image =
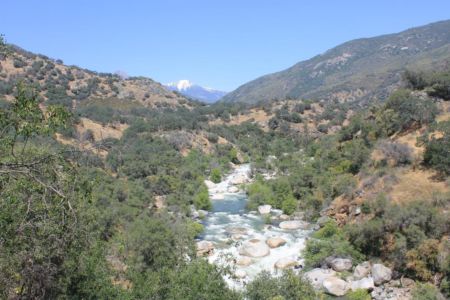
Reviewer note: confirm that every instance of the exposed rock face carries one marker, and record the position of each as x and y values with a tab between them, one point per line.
254	248
297	224
335	286
264	209
204	248
275	242
341	264
244	261
362	270
285	263
381	274
317	276
364	283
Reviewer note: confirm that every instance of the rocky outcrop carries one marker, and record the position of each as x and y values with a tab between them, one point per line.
285	263
254	248
275	242
381	274
264	209
335	286
291	225
204	248
341	264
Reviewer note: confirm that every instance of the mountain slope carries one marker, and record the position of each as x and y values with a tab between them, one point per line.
362	69
187	88
71	85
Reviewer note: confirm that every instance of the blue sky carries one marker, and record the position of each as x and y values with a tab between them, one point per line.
220	44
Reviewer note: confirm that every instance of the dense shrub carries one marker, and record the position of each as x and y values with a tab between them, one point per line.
437	148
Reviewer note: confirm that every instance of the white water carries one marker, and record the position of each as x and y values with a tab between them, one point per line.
229	212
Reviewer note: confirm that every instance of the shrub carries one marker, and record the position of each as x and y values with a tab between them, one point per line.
288	286
201	200
215	176
425	291
289	205
437	153
394	153
358	295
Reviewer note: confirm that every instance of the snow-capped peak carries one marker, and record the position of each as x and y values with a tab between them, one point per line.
181	85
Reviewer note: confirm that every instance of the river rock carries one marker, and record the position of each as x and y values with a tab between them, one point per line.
285	263
264	209
318	275
335	286
244	261
362	270
233	189
364	283
275	242
204	248
341	264
239	179
240	274
296	224
254	248
381	274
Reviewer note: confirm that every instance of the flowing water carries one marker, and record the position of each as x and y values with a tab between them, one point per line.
229	224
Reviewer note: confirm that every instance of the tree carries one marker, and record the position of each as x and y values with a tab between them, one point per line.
216	177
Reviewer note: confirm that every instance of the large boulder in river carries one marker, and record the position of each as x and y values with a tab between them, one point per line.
317	276
341	264
363	284
209	184
381	274
335	286
362	270
296	224
244	261
233	189
275	242
254	248
285	263
204	248
264	209
240	274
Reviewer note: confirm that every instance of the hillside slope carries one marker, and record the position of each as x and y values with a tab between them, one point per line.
71	85
362	69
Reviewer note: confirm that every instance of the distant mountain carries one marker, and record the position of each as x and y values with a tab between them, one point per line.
360	70
195	91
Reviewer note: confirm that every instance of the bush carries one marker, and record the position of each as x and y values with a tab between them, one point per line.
437	148
425	291
215	176
201	200
288	286
394	153
358	295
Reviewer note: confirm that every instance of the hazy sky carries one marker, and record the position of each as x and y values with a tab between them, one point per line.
220	44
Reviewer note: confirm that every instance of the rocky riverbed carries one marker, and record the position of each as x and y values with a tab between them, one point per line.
240	239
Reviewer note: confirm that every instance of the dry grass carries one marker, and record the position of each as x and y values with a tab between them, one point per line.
416	185
101	132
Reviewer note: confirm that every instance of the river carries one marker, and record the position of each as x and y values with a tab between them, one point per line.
229	225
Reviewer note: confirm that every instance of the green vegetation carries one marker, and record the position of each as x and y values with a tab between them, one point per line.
288	286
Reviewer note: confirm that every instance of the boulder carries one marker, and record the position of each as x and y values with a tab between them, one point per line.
284	217
254	248
244	261
296	224
381	274
364	283
335	286
240	274
209	184
264	209
233	189
362	270
204	248
237	236
275	242
341	264
285	263
318	275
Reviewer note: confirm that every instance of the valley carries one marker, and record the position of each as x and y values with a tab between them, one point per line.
329	180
